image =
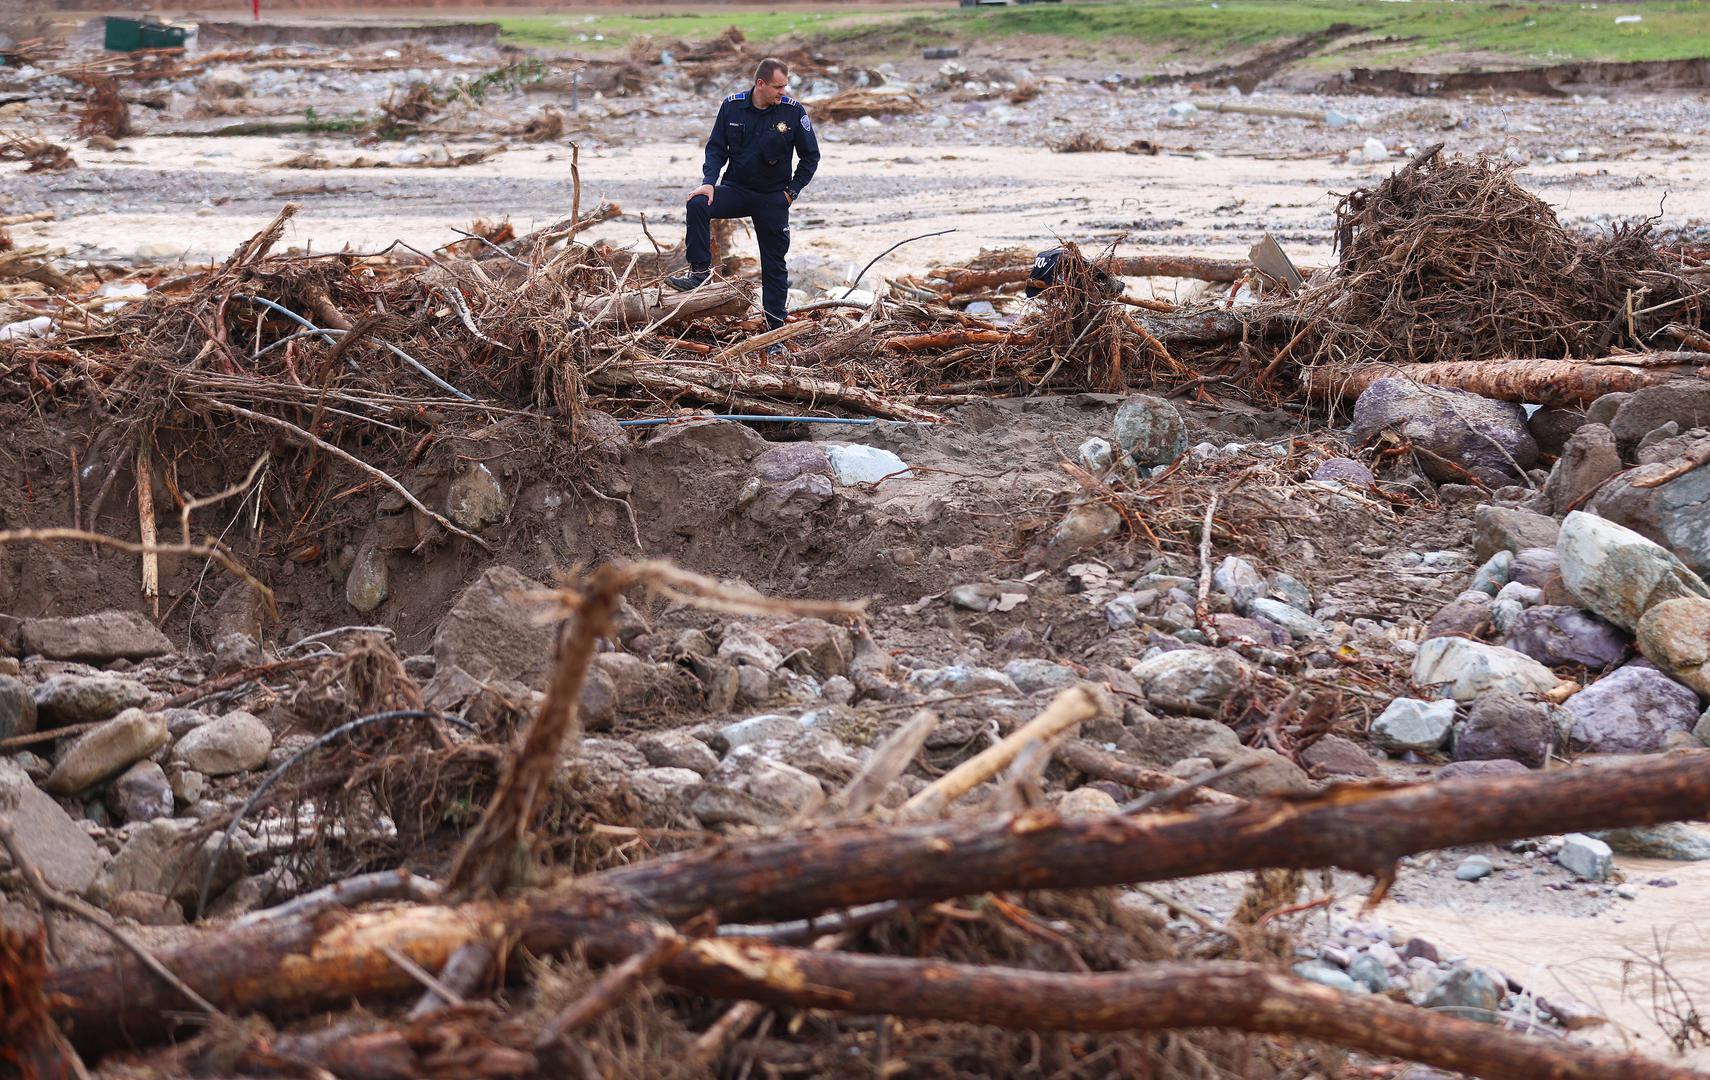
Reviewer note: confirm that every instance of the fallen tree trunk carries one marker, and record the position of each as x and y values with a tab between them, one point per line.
1563	384
1182	266
292	966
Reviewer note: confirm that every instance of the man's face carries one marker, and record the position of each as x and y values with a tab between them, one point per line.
768	92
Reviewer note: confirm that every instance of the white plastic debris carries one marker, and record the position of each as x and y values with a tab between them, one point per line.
1335	119
1619	19
857	464
40	326
1374	150
123	292
1182	109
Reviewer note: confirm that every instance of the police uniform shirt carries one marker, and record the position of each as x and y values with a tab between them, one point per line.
752	146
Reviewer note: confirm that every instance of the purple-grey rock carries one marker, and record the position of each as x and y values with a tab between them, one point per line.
1335	756
141	793
1535	567
1459	618
1459	431
1632	710
1557	635
1505	726
1347	470
787	461
791	502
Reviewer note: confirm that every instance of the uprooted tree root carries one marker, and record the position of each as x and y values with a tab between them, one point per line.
1451	260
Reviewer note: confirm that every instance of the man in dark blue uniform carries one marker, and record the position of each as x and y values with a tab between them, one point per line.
752	141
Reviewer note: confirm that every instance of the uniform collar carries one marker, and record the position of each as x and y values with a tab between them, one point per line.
747	97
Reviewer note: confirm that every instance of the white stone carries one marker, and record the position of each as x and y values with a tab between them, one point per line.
1467	669
1586	856
1410	724
857	464
1295	621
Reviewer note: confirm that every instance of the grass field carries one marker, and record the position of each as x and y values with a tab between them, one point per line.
1539	32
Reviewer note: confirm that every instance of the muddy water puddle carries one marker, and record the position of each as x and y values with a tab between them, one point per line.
1642	962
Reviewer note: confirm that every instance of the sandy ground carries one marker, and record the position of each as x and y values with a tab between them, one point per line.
197	199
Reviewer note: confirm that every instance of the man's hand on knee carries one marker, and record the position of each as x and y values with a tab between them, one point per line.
704	189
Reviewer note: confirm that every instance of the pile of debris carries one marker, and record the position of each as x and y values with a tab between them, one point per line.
1449	261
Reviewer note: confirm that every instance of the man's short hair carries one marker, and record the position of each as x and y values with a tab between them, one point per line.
770	67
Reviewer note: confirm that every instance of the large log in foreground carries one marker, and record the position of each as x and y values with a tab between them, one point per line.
1561	384
296	965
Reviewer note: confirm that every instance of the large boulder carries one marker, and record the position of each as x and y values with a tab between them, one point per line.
1589	459
1632	710
1150	430
107	751
1675	514
1675	636
96	639
1558	635
1468	669
1506	727
491	631
59	847
1618	573
1457	430
1683	402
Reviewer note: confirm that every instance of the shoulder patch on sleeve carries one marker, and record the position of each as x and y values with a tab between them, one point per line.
807	125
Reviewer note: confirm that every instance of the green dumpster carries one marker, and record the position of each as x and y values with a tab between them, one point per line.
123	35
164	36
129	35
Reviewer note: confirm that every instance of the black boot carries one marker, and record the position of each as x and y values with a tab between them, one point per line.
692	277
